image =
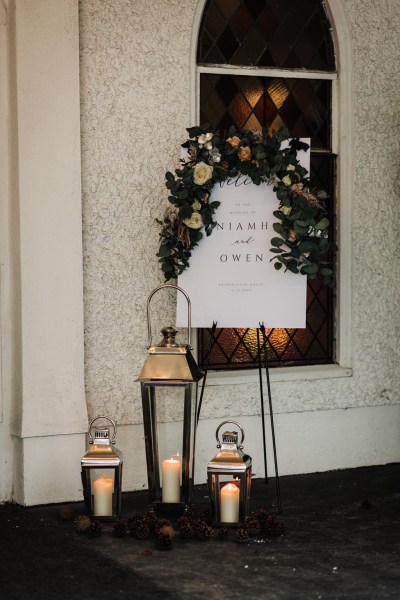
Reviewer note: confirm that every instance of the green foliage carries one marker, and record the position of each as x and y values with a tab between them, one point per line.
303	240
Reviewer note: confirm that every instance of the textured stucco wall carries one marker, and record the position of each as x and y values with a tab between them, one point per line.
135	97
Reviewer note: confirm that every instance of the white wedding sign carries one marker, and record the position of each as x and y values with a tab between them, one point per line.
231	279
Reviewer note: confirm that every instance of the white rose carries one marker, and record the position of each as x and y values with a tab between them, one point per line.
195	221
202	173
205	137
286	180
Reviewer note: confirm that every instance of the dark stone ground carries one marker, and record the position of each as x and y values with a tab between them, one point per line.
342	541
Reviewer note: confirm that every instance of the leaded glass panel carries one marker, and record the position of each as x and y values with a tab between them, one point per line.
284	34
289	34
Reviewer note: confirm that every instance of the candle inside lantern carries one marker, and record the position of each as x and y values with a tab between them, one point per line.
171	480
102	491
230	503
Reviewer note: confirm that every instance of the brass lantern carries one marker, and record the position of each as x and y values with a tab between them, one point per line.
102	473
229	479
168	382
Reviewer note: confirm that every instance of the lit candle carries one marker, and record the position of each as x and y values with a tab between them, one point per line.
171	480
230	503
102	490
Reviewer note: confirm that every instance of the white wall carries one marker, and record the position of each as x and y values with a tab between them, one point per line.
136	99
42	299
135	92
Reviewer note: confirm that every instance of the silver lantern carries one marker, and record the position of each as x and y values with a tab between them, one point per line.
168	382
101	468
229	479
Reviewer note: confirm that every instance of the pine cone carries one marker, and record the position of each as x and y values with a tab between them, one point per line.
161	523
261	515
120	528
185	526
203	531
205	514
274	525
82	524
253	526
134	518
242	535
190	512
223	533
165	536
95	528
141	530
151	518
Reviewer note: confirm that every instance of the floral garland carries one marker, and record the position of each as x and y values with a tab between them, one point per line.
302	242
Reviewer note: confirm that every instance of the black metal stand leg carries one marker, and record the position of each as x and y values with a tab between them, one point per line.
203	385
271	414
262	407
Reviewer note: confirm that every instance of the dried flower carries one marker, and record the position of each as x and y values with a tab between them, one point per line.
202	173
296	188
215	155
195	221
292	236
234	141
244	153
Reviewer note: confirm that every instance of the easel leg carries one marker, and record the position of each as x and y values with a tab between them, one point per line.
262	407
203	385
271	414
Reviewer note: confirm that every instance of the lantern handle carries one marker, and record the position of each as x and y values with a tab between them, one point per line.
175	287
234	423
108	419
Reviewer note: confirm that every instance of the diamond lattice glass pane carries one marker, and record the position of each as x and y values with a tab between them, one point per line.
302	106
266	33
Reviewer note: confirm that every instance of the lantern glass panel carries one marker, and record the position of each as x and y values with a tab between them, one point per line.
101	487
169	410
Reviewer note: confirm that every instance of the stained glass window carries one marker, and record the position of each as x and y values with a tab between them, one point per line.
272	35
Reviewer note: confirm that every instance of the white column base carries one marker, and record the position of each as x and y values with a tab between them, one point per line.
307	442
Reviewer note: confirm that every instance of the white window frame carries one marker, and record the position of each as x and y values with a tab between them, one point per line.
342	141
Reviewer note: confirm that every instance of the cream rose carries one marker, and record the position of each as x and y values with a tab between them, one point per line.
195	221
202	173
290	168
286	210
244	153
286	180
196	205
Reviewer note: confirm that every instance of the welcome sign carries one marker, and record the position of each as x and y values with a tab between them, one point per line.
231	279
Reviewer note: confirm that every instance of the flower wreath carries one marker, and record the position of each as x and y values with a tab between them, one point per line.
302	227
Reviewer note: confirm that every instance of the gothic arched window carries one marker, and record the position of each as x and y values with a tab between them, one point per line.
272	63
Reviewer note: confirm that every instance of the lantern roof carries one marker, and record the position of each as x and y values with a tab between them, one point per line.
170	362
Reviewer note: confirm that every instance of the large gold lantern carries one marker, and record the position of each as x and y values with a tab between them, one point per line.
229	479
101	470
170	375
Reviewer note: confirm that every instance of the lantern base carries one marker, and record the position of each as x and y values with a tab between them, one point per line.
104	518
169	510
235	525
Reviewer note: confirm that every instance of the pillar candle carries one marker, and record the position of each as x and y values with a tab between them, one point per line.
171	480
102	491
230	503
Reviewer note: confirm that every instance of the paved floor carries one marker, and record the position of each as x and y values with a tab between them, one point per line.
342	541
